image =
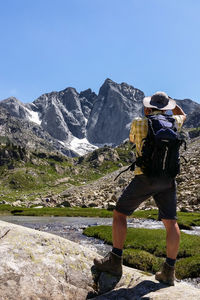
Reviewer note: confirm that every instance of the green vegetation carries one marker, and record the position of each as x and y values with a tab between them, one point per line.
188	267
55	211
26	175
154	240
142	260
149	256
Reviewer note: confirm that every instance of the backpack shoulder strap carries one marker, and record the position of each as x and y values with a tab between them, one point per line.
131	167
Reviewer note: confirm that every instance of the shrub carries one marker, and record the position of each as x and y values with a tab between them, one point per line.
142	260
188	267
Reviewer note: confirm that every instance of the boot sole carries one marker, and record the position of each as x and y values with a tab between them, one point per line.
165	282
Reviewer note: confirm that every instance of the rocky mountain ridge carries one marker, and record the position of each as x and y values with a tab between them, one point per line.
28	134
76	123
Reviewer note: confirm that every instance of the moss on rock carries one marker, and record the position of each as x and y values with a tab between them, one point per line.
142	260
188	267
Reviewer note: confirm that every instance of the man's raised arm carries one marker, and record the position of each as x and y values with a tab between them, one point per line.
178	111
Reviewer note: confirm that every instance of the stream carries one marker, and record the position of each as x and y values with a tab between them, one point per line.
71	228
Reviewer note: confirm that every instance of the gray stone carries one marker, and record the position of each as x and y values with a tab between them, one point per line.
38	206
112	113
107	282
66	203
38	265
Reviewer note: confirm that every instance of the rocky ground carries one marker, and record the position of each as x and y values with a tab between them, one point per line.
104	192
189	179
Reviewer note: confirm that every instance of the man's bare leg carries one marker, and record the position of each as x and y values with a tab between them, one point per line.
172	237
167	274
112	262
119	229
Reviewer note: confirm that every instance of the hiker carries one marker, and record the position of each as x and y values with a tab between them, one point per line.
162	188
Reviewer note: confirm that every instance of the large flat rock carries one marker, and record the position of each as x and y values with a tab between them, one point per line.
40	266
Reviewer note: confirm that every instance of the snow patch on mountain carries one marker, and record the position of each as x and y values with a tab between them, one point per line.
34	116
80	146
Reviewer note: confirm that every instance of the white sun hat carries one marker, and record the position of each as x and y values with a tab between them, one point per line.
160	100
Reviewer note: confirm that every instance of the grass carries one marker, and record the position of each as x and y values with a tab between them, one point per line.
149	255
188	267
154	240
57	211
142	260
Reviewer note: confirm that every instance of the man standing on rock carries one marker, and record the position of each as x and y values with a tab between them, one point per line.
163	190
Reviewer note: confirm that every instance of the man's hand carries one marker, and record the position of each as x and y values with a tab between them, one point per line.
178	111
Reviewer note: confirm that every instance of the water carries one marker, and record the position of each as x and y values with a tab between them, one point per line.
71	228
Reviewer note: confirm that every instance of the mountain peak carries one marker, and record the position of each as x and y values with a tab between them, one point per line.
11	99
70	90
108	80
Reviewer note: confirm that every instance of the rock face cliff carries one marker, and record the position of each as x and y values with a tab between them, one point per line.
29	134
76	123
37	265
193	119
113	112
60	118
65	114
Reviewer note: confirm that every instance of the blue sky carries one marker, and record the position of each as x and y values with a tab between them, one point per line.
48	45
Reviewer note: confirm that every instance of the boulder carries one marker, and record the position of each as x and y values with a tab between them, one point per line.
38	265
17	203
65	204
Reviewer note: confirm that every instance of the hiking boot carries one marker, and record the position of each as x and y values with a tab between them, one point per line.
167	274
111	263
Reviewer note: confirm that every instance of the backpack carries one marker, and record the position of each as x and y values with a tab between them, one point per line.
160	150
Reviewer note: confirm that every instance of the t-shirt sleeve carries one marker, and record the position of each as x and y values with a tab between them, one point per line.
179	120
132	132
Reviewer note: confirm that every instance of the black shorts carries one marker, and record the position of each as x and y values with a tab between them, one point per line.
163	190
